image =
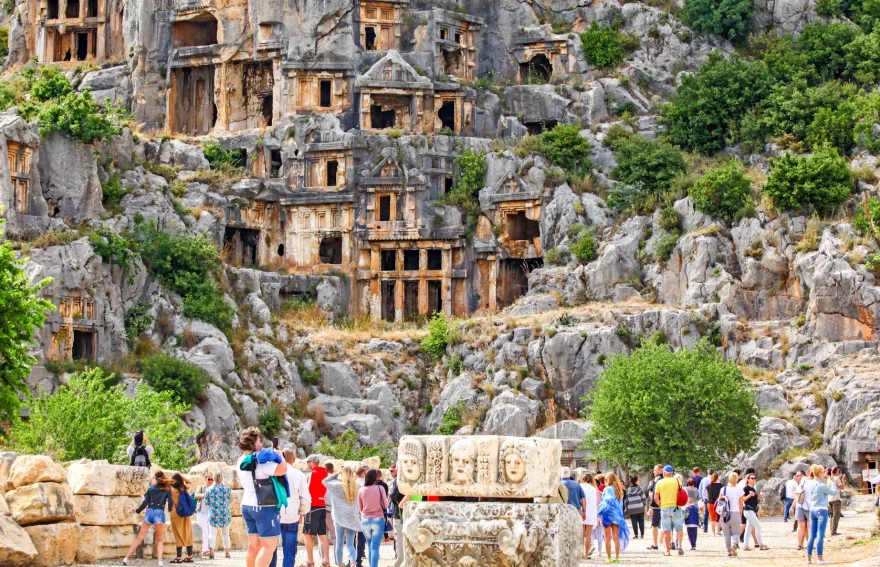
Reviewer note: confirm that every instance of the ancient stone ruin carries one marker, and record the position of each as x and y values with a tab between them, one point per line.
507	526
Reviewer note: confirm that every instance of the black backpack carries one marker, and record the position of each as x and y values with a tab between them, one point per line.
140	457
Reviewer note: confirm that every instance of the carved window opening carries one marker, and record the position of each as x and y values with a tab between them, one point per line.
266	110
444	33
381	118
384	208
325	93
197	32
92	9
435	259
72	10
83	345
537	70
332	169
82	46
410	300
388	260
281	250
447	184
520	227
240	246
52	10
446	114
513	278
370	38
410	260
276	163
387	292
535	128
435	297
457	38
19	157
330	250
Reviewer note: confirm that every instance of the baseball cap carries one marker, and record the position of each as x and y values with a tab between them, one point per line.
314	459
668	468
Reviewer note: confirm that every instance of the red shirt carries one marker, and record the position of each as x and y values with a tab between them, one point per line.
601	487
317	490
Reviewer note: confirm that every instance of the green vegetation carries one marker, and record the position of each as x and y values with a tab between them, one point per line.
564	146
585	248
680	408
602	45
649	164
470	170
452	419
348	448
434	343
223	159
86	419
112	193
21	313
137	320
723	192
728	18
114	248
271	421
665	246
821	182
4	41
187	383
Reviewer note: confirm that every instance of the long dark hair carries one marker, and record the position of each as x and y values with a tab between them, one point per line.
179	483
163	481
371	477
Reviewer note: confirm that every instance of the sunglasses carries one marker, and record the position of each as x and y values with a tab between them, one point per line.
209	479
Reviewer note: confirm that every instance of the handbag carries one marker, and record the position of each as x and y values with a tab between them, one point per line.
265	489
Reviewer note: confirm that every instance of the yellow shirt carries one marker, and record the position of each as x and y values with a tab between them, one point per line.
668	491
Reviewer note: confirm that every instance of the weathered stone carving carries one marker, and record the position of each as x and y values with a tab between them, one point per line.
504	467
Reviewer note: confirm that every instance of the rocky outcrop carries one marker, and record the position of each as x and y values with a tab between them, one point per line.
41	503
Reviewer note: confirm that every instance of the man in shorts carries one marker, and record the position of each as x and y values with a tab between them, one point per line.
671	516
316	519
654	509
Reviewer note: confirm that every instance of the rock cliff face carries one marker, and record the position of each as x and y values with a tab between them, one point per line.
344	123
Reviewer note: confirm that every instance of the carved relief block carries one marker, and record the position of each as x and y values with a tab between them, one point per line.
479	466
490	534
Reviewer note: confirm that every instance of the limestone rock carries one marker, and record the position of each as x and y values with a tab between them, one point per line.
777	435
104	542
91	510
16	547
107	480
339	379
56	544
6	460
69	176
31	469
41	503
772	398
511	414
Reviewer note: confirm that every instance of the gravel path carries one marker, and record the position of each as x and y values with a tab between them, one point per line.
853	547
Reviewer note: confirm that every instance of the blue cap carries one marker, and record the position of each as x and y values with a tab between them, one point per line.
668	468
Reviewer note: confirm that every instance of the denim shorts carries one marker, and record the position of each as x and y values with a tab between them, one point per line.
671	519
155	516
263	521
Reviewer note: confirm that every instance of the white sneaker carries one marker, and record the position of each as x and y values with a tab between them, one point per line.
821	562
160	564
125	560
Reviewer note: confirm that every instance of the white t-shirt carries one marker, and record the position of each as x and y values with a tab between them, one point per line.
130	450
264	471
790	487
733	493
809	486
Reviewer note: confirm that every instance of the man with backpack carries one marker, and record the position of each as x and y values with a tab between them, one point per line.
666	497
139	451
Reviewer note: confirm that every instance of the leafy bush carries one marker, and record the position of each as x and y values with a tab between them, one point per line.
51	84
653	164
670	219
665	246
348	448
824	45
564	146
821	181
452	419
829	7
434	343
867	218
78	116
727	18
112	192
137	320
4	41
187	383
557	256
863	58
470	168
220	158
585	249
271	421
602	46
722	192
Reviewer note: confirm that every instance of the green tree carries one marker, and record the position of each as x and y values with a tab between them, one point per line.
722	192
187	383
653	164
564	146
602	46
348	448
51	84
434	343
470	168
681	408
821	181
727	18
824	45
21	314
863	58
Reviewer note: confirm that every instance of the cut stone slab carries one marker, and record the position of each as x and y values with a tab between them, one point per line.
31	469
16	547
108	480
41	503
56	544
93	510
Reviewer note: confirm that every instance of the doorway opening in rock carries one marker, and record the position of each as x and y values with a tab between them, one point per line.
332	168
385	208
446	114
276	163
72	10
381	118
447	184
520	227
410	300
536	71
82	46
325	94
387	292
513	278
83	345
411	260
535	128
197	32
370	39
281	250
388	260
92	9
240	245
193	95
435	297
52	10
435	259
331	250
266	110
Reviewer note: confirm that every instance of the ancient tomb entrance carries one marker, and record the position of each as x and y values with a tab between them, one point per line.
388	260
435	297
410	300
83	345
387	292
535	128
520	227
446	114
197	32
513	278
410	260
370	38
52	10
536	71
240	245
330	250
332	170
435	260
325	93
390	111
384	208
194	111
92	9
452	62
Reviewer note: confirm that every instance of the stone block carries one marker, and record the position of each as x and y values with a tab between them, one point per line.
238	538
479	466
94	510
31	469
56	544
41	503
108	480
6	460
490	533
4	507
16	547
235	502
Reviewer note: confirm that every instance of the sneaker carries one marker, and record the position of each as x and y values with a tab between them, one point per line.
653	547
680	551
693	549
160	564
125	560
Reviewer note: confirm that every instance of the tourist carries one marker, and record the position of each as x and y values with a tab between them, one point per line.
697	477
822	489
610	513
139	451
203	514
692	521
217	498
801	508
635	506
361	473
671	516
342	492
591	509
331	529
789	488
742	484
750	511
713	490
158	496
731	522
704	504
836	477
255	469
576	495
181	526
600	482
384	486
316	519
298	504
372	503
692	491
397	501
653	508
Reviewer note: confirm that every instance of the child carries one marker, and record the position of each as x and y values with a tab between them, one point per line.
692	522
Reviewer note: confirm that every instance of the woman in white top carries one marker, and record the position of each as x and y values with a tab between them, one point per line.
733	526
591	495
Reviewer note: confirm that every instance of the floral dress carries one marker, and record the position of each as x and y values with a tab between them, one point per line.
218	497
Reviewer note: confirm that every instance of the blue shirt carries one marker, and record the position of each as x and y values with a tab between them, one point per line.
704	484
575	492
819	496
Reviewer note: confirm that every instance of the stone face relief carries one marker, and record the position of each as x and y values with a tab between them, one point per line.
479	466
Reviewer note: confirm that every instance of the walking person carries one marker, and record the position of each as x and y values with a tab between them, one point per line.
801	507
653	507
181	522
819	513
751	498
789	487
203	514
372	503
704	485
729	507
361	474
384	486
316	519
635	505
259	510
576	495
591	510
298	504
218	498
610	513
342	492
692	522
835	476
713	491
671	516
157	498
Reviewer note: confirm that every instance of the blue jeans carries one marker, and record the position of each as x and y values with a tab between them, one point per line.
818	521
373	529
788	502
349	537
289	533
705	517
